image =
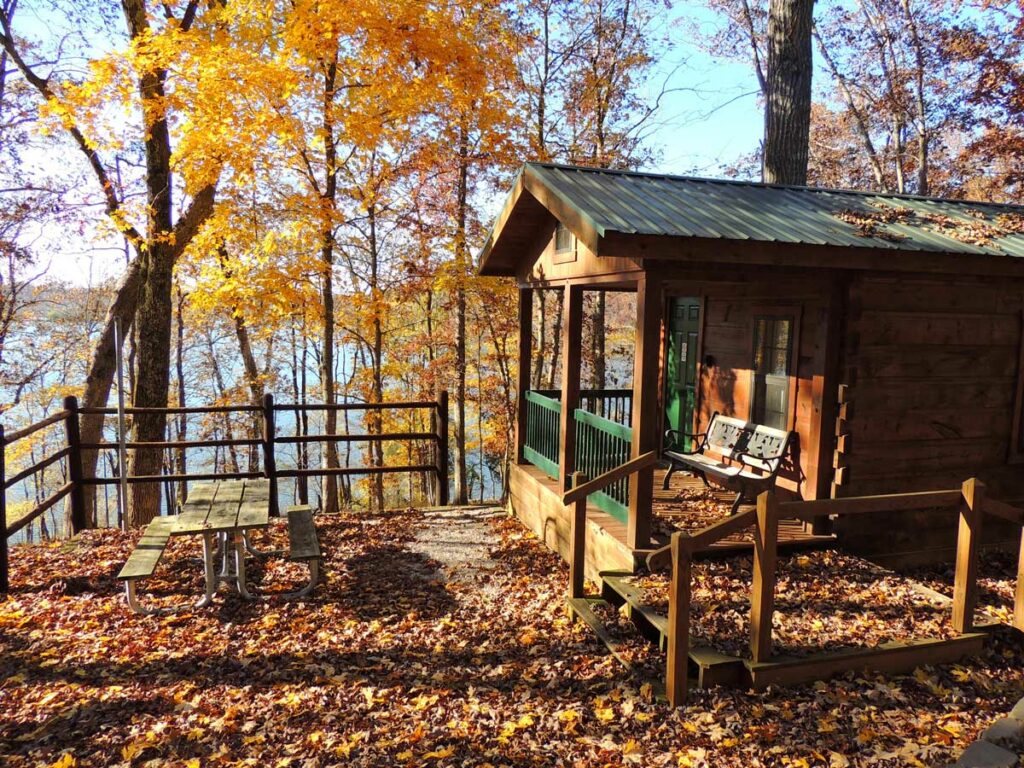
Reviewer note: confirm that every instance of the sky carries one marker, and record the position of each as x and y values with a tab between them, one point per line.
709	118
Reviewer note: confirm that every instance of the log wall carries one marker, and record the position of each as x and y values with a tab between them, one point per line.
932	374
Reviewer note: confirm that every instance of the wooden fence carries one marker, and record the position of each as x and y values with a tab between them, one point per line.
267	442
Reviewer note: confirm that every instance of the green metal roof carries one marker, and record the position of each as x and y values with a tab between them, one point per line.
598	202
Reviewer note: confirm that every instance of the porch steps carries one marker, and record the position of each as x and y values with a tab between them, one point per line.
708	667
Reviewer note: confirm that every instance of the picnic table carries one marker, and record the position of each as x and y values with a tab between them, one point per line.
223	513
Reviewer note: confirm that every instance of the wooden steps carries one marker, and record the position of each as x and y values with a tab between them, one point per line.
582	608
895	657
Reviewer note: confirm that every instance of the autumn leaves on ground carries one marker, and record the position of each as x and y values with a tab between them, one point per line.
398	660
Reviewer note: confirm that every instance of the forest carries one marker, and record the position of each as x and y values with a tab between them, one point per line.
288	198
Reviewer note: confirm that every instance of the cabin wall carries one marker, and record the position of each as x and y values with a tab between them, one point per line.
932	368
546	265
730	309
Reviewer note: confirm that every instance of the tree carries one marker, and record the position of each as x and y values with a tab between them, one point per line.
787	114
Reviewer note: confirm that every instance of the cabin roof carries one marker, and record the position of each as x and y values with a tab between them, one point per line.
596	202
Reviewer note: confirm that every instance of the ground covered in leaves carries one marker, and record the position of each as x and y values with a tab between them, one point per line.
398	660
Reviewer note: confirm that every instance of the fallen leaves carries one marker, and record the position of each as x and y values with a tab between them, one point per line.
392	664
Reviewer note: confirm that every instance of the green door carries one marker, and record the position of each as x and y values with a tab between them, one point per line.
681	373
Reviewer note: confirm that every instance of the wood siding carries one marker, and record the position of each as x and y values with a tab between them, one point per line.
932	374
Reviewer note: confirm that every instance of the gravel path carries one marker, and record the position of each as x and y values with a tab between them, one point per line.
460	539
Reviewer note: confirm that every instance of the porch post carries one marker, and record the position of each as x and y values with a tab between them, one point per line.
572	342
525	358
646	419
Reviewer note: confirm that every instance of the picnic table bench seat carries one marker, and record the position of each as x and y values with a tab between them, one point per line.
739	455
143	560
304	544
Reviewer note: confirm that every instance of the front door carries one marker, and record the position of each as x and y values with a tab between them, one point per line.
681	363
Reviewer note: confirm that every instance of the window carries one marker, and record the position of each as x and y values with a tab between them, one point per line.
563	238
773	350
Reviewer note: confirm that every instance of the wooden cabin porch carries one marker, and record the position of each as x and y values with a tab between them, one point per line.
536	497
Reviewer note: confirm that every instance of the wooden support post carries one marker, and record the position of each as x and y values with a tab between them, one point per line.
578	540
441	480
523	376
965	581
762	592
572	343
5	584
1018	599
77	494
646	423
676	666
269	455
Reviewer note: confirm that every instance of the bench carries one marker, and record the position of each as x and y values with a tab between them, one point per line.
303	545
144	559
750	456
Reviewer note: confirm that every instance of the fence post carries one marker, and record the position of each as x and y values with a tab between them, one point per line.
578	540
77	495
762	592
441	481
678	652
5	584
269	459
965	581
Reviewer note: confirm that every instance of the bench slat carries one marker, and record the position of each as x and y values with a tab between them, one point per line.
303	543
147	553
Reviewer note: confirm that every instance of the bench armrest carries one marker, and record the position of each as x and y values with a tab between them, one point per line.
674	437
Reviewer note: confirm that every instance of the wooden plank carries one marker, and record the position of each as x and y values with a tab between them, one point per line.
678	657
581	607
762	591
303	543
634	597
859	505
525	361
599	483
1005	511
150	548
572	343
1018	598
224	508
965	579
578	540
646	418
704	538
889	658
254	510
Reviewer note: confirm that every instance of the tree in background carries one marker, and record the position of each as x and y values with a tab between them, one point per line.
787	83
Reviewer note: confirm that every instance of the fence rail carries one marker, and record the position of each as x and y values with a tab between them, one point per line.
603	445
71	452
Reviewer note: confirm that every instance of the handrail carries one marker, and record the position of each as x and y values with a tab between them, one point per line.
18	434
727	526
1003	510
603	481
859	505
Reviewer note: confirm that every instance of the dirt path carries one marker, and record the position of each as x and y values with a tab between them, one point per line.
461	540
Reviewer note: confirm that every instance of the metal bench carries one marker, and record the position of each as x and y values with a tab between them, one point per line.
303	545
750	456
143	561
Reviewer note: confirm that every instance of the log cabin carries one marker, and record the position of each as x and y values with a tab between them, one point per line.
885	331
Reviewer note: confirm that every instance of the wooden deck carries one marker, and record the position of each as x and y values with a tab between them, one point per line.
676	508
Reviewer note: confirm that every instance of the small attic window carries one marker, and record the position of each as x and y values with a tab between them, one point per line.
563	238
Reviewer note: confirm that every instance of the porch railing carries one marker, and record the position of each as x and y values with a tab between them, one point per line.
601	446
603	439
543	438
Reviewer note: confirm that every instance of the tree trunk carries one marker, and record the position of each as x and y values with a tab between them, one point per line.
600	374
330	450
461	485
787	117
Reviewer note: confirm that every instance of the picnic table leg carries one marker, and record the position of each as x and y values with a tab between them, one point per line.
210	571
239	548
259	552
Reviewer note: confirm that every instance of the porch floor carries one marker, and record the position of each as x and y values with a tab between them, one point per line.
675	508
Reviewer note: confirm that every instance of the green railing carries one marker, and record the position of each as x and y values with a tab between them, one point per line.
601	446
543	438
614	404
